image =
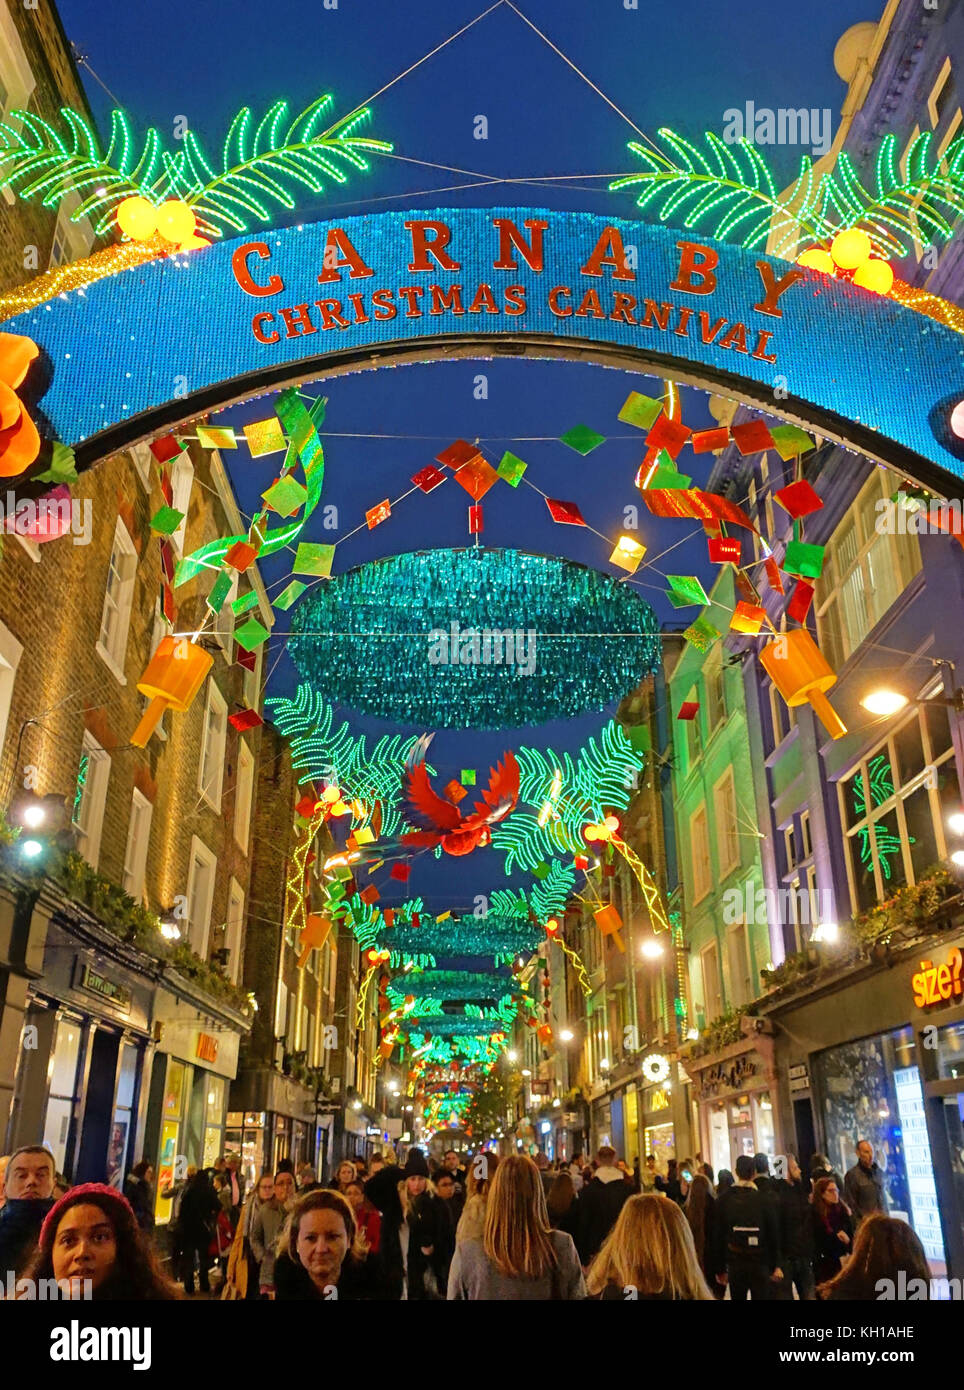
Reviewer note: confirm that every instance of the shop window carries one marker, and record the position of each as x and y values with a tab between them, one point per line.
211	772
234	928
865	570
870	1089
712	993
200	895
727	830
243	794
62	1090
214	1102
90	798
138	838
700	854
120	1156
115	619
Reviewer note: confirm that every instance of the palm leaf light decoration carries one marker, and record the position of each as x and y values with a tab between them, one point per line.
263	165
728	192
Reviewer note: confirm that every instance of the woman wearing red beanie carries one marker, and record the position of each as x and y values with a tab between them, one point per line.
92	1234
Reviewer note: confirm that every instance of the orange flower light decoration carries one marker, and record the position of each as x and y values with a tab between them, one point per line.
19	440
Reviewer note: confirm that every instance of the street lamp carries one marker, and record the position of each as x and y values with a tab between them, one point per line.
885	702
651	948
825	931
566	1035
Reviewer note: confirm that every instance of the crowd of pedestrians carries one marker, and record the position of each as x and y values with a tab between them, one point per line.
488	1228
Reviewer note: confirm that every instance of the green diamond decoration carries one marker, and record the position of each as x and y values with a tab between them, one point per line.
641	411
314	559
582	439
677	600
166	520
467	777
285	496
288	596
701	634
242	604
664	477
251	634
541	871
803	560
790	441
688	587
639	738
219	592
511	469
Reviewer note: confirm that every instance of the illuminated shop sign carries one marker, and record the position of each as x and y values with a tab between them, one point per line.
175	335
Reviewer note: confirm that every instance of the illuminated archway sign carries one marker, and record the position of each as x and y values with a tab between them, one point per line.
156	345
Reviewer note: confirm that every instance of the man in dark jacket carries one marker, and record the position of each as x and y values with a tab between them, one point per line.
864	1185
748	1237
796	1235
29	1185
600	1202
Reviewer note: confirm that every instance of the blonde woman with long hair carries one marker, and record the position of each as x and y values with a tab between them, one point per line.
519	1257
649	1254
480	1177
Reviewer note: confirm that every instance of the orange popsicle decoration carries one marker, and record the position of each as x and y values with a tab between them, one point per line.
801	673
174	675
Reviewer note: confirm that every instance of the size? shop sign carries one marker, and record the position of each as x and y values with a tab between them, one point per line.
137	351
938	984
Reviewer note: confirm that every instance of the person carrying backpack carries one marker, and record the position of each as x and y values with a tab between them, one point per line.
748	1237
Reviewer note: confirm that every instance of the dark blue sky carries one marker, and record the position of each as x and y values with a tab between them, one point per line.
681	65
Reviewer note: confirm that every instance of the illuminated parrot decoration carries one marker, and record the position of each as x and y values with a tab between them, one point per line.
440	822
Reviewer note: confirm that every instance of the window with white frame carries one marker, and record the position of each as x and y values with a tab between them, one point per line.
234	928
694	745
160	629
712	993
118	599
200	895
727	829
700	854
806	838
252	683
143	461
281	1011
894	806
243	795
783	716
90	800
741	986
59	246
182	484
715	684
224	621
138	838
941	97
10	653
865	570
214	737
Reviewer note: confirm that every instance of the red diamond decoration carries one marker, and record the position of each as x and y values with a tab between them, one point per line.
458	453
428	478
566	513
245	719
752	437
668	434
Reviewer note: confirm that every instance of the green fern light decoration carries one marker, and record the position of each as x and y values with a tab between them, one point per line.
264	165
728	192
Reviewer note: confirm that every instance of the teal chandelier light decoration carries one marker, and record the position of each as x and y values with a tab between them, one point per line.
474	639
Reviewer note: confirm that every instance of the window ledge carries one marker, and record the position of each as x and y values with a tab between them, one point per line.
110	663
214	805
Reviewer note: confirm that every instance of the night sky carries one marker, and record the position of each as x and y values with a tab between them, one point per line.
680	65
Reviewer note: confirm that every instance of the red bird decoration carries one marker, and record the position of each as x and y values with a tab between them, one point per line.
441	822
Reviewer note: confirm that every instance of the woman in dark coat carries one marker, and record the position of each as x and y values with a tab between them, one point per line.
833	1230
412	1254
319	1259
700	1213
195	1226
139	1191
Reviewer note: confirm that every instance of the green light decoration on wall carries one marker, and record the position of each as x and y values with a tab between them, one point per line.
728	191
323	753
263	164
880	780
389	638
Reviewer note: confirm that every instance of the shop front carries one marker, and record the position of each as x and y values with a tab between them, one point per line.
196	1059
735	1092
87	1046
877	1053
